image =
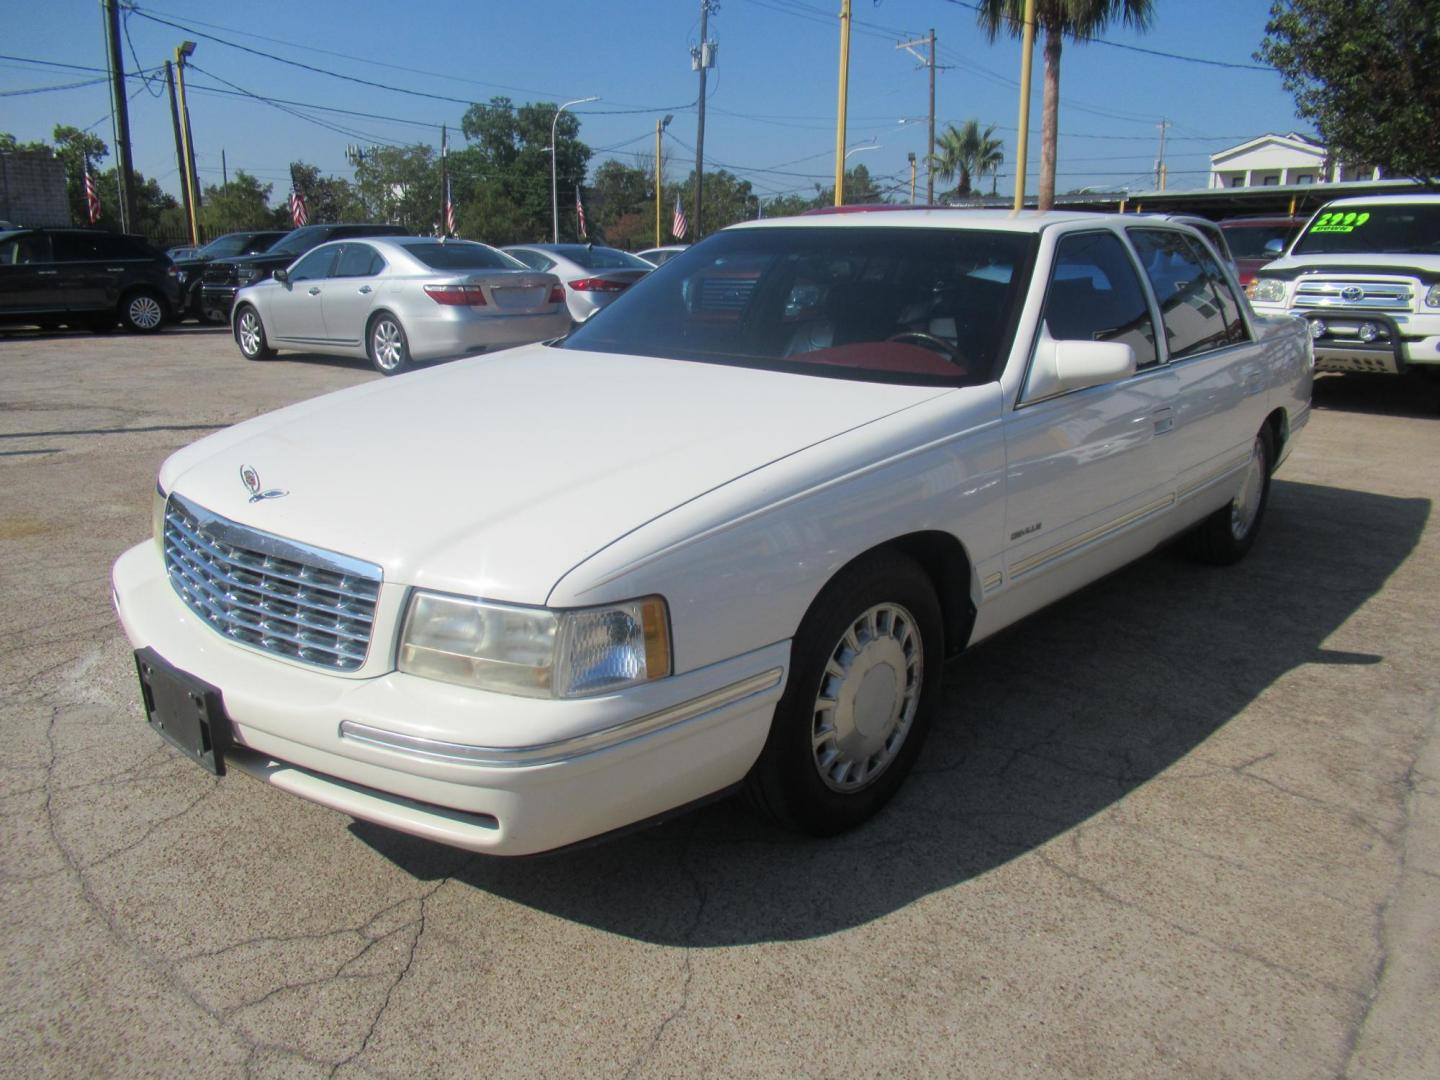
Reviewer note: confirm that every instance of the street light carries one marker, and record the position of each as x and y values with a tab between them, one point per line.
191	182
554	190
862	146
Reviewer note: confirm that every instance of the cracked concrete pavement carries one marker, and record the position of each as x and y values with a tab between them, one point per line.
1186	822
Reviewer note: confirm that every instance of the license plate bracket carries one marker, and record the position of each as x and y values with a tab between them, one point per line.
188	712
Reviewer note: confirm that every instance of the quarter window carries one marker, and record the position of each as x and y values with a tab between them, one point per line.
1095	295
1198	309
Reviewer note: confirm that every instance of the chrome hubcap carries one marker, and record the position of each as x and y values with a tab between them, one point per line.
145	312
389	350
867	698
249	333
1246	506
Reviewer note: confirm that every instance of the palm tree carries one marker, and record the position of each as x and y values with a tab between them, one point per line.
1076	19
967	152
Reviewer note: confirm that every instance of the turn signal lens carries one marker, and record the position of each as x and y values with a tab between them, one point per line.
456	295
1432	298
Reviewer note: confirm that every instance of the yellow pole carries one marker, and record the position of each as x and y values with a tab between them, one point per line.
840	109
1027	48
657	183
188	179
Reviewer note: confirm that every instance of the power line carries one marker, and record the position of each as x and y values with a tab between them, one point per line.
49	89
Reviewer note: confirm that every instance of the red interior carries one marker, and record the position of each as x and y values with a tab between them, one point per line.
894	356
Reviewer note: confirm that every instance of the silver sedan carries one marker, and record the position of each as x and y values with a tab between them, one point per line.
397	300
593	275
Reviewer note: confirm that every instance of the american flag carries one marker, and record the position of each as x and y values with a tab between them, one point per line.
449	210
678	225
297	208
92	198
580	214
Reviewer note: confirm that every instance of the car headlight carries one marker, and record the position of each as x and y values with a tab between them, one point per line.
1268	290
1432	298
536	652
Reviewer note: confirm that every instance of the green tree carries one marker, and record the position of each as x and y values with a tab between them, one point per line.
243	203
967	152
616	191
400	185
80	150
328	199
1364	73
728	199
501	179
789	205
1057	20
860	190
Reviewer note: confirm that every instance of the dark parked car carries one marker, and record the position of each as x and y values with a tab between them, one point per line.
192	267
1254	241
223	278
85	277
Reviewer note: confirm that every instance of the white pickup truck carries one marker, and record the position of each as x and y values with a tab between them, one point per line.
723	535
1365	275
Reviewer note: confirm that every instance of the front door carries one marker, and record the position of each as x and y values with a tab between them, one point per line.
296	306
1089	476
29	280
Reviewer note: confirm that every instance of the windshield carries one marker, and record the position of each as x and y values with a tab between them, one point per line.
463	256
222	247
1248	241
1373	229
298	241
926	306
603	258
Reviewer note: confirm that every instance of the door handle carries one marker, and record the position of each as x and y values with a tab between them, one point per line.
1254	382
365	290
1164	420
313	290
46	273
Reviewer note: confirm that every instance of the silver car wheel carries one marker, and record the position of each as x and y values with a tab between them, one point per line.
388	345
144	312
1246	506
867	698
249	333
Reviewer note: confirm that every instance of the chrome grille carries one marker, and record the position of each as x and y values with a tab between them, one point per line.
274	594
1375	295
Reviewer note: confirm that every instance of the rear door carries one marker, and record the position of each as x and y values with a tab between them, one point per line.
349	296
80	266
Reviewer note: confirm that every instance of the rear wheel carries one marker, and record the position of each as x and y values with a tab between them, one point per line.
1226	535
864	679
142	312
389	348
250	335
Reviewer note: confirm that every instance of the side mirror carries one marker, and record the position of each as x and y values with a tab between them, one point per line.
1275	247
282	276
1062	366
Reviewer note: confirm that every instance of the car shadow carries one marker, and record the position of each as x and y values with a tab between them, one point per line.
1414	394
1041	728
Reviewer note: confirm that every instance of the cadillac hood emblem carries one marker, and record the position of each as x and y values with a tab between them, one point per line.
251	479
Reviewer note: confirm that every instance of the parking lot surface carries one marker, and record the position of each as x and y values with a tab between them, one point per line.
1185	823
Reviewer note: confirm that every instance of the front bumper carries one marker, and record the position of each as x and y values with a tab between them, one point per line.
1398	339
441	761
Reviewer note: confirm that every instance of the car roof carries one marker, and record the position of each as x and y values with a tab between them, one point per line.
1026	221
1260	222
1397	200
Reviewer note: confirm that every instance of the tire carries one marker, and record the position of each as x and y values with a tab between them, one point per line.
1226	535
387	345
250	334
142	312
812	774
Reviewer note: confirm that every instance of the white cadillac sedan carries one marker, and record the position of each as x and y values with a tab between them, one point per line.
398	300
722	536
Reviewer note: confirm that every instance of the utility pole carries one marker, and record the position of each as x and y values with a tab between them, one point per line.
912	179
929	62
702	59
183	51
224	170
842	105
1027	54
181	163
120	115
660	126
1160	171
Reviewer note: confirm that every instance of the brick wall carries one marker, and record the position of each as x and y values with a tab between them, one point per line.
32	189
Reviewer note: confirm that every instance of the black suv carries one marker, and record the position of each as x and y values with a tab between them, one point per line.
192	268
225	277
85	277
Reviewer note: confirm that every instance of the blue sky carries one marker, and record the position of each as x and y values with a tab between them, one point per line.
772	99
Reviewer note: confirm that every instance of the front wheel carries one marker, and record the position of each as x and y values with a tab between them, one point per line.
388	346
142	312
864	679
1226	535
250	335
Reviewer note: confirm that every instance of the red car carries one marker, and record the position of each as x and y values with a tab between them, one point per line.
1252	241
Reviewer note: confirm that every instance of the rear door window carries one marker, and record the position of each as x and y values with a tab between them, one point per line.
1184	278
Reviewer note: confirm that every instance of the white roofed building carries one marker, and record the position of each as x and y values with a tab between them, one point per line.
1279	160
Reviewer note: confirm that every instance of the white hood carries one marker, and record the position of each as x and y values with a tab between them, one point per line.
1404	265
495	476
